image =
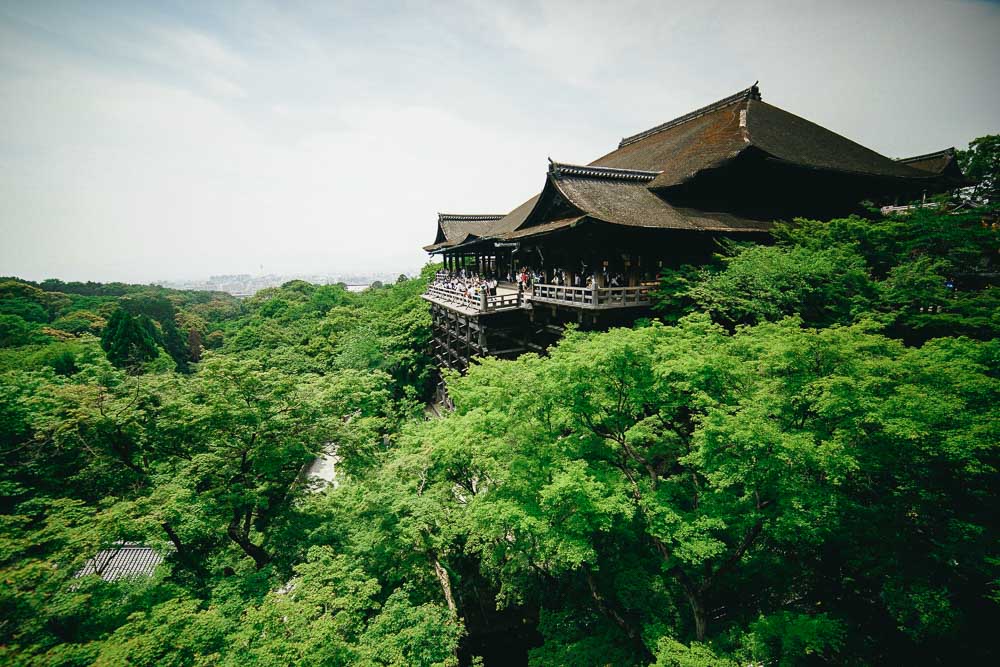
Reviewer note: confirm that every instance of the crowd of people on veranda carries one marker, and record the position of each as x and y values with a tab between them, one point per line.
466	282
473	284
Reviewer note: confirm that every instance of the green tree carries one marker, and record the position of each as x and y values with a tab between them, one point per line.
129	341
705	465
981	164
15	331
161	310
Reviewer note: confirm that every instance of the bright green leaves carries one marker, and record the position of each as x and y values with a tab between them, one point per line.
922	275
177	633
576	506
719	462
763	283
330	614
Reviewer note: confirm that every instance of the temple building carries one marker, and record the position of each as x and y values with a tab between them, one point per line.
594	239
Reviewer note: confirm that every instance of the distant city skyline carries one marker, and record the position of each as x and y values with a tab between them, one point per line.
168	141
247	284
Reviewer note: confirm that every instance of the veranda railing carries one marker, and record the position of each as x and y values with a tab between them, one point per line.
482	302
589	297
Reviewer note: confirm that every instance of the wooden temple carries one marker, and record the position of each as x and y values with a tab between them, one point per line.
596	236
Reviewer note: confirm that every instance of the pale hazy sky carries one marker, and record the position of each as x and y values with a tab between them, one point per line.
182	139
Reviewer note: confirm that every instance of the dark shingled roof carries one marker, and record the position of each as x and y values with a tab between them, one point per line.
799	141
544	228
514	219
941	164
456	228
574	193
681	148
621	187
627	200
121	561
719	132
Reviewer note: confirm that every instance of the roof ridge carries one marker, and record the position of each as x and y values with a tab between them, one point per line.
915	158
609	173
484	217
751	93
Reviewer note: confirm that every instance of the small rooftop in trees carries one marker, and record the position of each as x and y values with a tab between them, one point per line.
122	561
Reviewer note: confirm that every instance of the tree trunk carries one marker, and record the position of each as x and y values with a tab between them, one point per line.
700	615
175	540
260	557
612	614
445	579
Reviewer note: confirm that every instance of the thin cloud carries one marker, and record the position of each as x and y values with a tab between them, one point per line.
143	144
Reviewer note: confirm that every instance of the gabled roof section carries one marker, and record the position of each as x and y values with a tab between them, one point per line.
751	93
560	169
712	136
941	163
622	197
795	140
577	193
456	228
515	218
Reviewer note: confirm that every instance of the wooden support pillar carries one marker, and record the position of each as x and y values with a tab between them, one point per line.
468	341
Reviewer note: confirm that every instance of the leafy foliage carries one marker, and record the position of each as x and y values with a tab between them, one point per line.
981	164
796	465
923	275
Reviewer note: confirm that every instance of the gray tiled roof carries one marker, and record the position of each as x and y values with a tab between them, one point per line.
123	560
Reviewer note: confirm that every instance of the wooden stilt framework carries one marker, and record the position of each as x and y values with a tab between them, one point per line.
459	337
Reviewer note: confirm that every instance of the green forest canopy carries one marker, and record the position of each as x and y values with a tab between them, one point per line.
796	464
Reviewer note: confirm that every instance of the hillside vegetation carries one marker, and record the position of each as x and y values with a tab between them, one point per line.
796	463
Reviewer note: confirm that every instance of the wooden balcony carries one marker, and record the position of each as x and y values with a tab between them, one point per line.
601	298
503	300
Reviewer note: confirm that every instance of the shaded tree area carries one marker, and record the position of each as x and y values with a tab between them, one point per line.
41	316
129	340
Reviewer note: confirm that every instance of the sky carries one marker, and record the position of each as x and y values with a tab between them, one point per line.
177	140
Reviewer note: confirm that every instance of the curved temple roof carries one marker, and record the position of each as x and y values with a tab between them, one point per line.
715	134
456	228
941	164
625	186
628	201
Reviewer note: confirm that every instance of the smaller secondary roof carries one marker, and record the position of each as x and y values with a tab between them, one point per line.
576	193
123	560
942	164
456	228
622	197
933	162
